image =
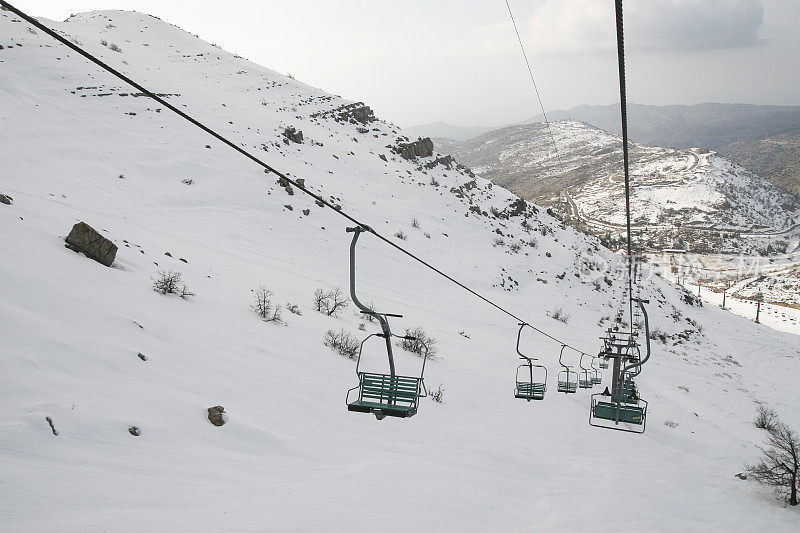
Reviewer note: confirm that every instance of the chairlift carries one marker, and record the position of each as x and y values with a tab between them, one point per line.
379	393
597	378
534	387
585	376
623	409
567	378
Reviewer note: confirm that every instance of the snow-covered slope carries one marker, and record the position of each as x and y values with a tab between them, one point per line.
679	198
79	146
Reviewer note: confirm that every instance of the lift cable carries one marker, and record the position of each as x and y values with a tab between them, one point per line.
536	90
256	160
624	112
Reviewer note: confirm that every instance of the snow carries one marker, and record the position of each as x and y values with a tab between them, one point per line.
291	458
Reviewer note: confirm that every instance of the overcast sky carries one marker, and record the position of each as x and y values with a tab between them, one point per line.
458	61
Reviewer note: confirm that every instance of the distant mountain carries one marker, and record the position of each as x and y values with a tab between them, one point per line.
680	198
762	138
446	131
776	157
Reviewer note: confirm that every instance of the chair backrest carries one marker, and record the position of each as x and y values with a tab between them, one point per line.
388	389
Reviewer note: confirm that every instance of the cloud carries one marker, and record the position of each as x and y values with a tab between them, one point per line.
695	25
665	26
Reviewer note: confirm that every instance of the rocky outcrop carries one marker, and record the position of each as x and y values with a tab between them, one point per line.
84	238
4	199
292	134
356	113
415	149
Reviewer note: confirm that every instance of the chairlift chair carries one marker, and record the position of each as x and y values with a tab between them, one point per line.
623	409
387	394
597	378
585	376
379	393
610	414
534	385
568	377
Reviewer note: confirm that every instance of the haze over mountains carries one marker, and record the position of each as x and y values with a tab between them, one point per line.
762	138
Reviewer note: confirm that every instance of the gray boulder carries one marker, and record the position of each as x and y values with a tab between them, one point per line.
84	238
5	199
215	415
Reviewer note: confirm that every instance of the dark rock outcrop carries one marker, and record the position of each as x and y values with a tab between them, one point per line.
355	113
415	149
296	136
83	238
5	199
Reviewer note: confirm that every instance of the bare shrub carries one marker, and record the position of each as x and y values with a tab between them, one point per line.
658	334
115	48
414	223
370	318
187	181
419	341
294	309
498	241
559	314
400	235
514	247
264	307
343	342
185	293
329	302
779	466
766	418
670	424
438	394
169	282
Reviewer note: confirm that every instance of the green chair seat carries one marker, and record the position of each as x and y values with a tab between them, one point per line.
627	413
530	391
387	394
568	387
402	411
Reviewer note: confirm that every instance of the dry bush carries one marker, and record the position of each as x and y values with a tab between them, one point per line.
779	466
264	307
344	343
169	282
419	342
330	302
766	418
